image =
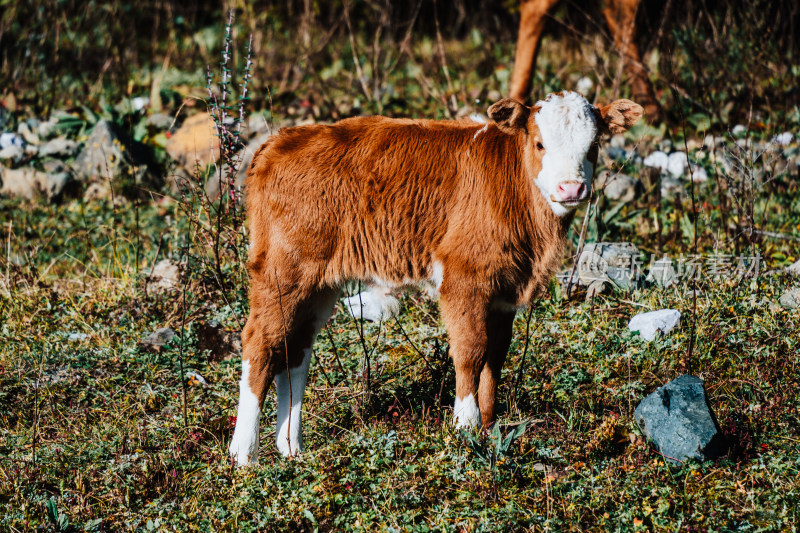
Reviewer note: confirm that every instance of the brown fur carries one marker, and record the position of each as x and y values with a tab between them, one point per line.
620	17
373	197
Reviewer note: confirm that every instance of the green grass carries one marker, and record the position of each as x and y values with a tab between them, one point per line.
92	430
103	416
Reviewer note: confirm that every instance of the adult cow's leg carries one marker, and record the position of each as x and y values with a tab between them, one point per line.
465	319
531	24
291	382
620	16
499	333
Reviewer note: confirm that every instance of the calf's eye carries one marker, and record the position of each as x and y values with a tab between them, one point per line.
539	146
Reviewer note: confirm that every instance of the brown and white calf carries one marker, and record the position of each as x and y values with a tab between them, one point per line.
477	212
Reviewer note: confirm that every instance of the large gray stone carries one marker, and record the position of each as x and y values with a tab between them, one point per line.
110	154
27	182
159	338
680	422
58	147
791	299
617	262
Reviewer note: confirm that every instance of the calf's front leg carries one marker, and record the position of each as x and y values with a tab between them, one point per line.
465	320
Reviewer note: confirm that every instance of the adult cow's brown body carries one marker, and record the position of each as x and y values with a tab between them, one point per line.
396	202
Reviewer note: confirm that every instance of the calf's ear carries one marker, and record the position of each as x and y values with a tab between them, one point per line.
510	116
620	115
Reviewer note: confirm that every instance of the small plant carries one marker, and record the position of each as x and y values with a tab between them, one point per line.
494	451
58	519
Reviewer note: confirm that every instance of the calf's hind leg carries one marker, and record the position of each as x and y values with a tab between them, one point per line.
500	330
276	344
291	382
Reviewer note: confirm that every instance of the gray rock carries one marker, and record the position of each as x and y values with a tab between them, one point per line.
698	174
783	139
97	191
55	166
58	147
615	153
249	151
159	338
671	187
791	299
680	422
27	133
102	157
257	124
110	154
28	182
794	268
619	187
618	141
159	121
212	187
12	153
165	275
616	262
595	289
647	324
47	128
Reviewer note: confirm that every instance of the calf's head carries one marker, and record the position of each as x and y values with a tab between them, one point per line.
562	135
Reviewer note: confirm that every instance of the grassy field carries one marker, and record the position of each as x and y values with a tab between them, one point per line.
102	432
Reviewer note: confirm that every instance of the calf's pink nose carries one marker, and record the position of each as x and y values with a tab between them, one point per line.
570	191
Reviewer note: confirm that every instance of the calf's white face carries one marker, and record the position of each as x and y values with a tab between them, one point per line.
562	135
567	130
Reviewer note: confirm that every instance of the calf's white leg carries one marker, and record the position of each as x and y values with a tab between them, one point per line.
291	385
244	444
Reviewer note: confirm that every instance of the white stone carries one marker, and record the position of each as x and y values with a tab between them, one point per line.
783	139
739	130
12	153
657	159
663	320
59	147
620	187
677	163
584	86
10	139
794	268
